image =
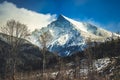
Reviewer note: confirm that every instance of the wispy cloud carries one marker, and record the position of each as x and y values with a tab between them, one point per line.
111	26
114	26
32	19
91	21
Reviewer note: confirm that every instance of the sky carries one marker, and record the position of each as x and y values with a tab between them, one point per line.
39	13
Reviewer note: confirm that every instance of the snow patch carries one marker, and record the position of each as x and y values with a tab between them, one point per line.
52	32
63	39
101	63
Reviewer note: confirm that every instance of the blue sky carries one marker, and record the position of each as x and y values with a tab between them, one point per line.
103	12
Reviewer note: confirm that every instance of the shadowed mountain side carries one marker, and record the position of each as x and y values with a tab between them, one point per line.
28	57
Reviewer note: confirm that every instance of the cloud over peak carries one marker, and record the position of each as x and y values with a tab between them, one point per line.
32	19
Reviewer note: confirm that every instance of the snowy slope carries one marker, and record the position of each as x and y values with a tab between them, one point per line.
69	36
93	32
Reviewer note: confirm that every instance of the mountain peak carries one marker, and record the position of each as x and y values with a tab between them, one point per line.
61	17
70	36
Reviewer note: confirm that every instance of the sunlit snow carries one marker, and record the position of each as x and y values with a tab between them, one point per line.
63	39
78	25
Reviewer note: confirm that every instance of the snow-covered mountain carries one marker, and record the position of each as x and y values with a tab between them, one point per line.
69	36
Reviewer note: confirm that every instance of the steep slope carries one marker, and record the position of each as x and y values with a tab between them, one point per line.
70	36
90	31
66	39
26	52
28	57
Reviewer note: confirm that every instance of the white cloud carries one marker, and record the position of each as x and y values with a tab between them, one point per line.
32	19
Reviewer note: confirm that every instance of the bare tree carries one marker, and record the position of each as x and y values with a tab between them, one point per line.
45	38
15	33
89	52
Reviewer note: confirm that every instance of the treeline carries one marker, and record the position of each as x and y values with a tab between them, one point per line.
27	59
110	48
107	49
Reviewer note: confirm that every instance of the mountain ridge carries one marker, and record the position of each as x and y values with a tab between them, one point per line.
71	36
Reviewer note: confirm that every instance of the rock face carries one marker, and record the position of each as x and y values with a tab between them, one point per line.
69	36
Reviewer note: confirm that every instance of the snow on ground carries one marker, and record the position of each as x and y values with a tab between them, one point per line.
98	64
52	32
63	39
101	63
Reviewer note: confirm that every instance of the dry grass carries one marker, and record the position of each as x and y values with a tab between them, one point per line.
62	75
